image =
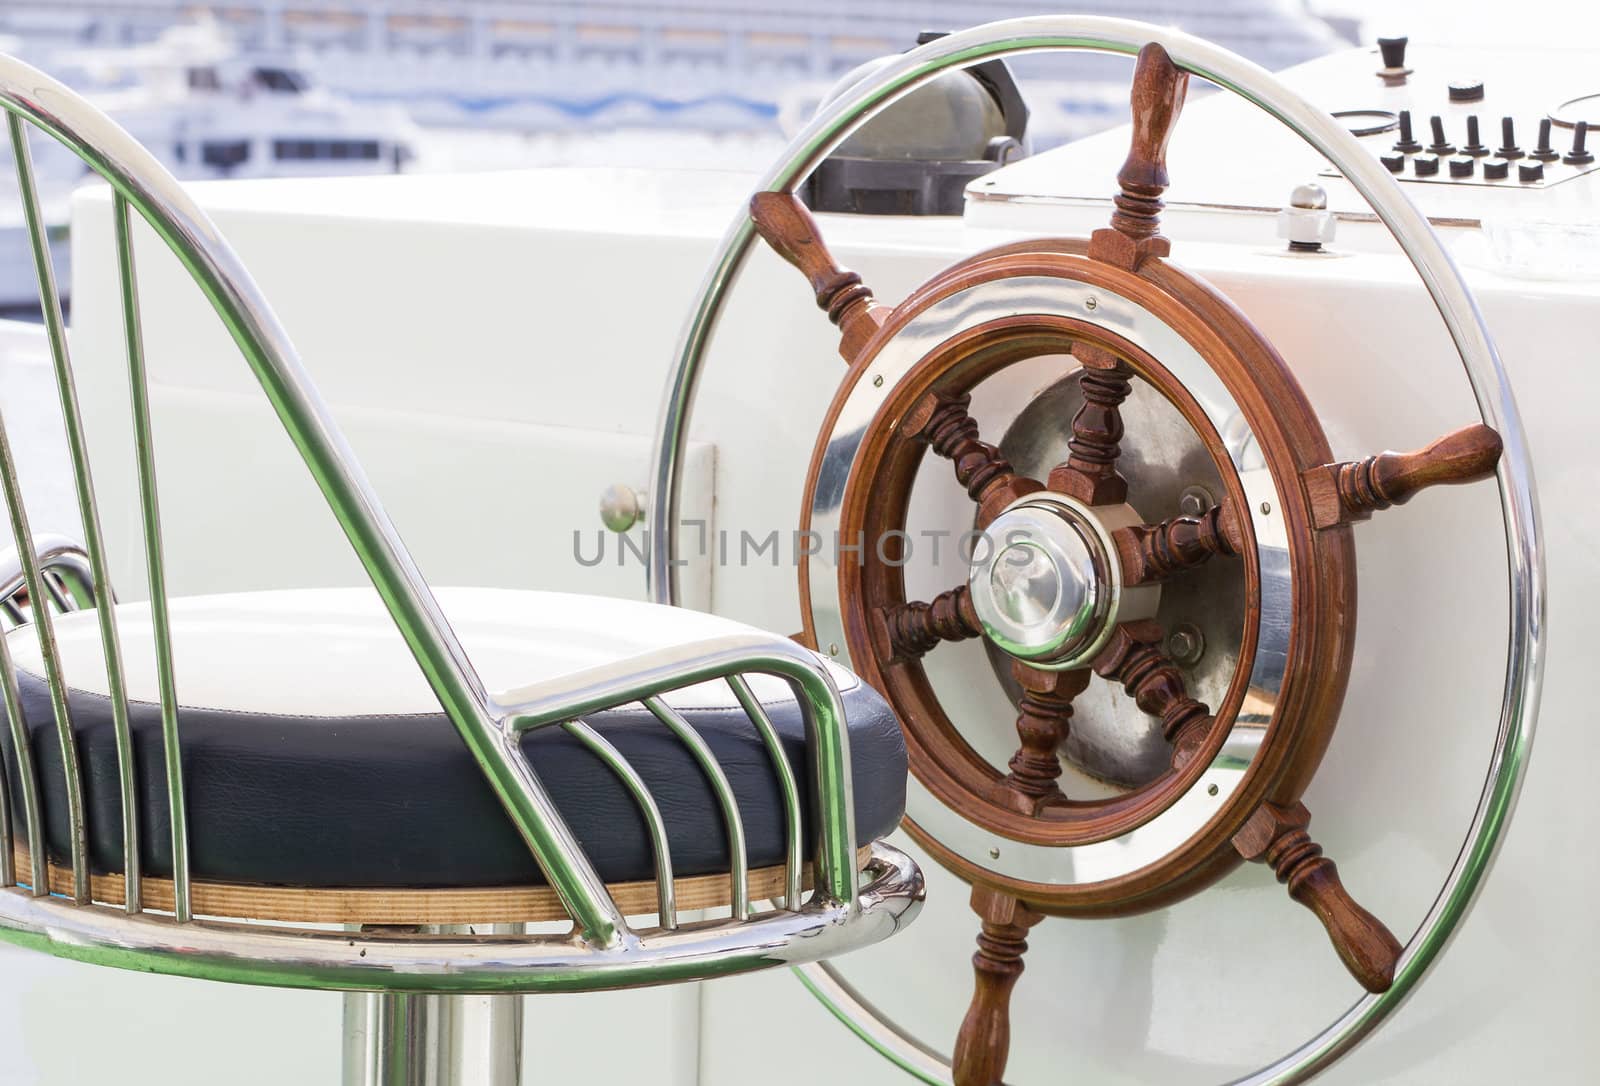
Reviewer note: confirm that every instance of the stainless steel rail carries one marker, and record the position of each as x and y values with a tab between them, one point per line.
64	568
738	852
155	564
44	629
89	514
643	678
65	564
666	894
33	819
890	897
1482	365
789	786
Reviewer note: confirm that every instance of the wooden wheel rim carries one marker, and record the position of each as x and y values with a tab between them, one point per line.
982	351
1281	721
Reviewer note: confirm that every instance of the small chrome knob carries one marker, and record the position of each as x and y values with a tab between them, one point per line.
1306	224
621	507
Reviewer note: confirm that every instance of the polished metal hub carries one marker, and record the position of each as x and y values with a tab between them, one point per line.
1171	472
1046	583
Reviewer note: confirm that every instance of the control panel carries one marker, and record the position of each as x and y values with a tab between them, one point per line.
1499	135
1457	151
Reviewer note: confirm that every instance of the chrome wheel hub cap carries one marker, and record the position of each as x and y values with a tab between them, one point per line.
1047	586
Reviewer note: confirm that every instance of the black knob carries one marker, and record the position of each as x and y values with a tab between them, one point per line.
1530	171
1474	145
1544	152
1440	145
1580	155
1496	169
1462	167
1393	163
1468	91
1394	51
1425	165
1407	143
1508	140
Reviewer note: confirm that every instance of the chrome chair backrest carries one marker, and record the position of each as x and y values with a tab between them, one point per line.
143	189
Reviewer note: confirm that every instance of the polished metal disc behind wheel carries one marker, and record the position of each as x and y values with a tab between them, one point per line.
1079	551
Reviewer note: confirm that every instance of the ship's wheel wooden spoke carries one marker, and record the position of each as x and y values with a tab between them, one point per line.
1280	838
1353	490
942	422
1089	473
1154	552
1134	234
908	630
788	227
985	1038
1044	715
1133	659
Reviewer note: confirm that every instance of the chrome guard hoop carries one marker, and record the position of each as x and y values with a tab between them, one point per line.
323	960
1492	389
646	678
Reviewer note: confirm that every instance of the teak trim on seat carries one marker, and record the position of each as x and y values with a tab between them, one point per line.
476	905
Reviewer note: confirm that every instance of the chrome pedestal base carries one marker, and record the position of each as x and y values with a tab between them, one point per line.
403	1039
417	1039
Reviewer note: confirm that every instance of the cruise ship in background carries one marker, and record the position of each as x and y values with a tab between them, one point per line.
335	87
207	106
594	65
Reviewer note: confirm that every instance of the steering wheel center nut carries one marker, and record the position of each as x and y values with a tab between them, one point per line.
1047	585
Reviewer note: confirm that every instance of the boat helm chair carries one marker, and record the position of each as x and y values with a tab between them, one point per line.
378	789
1164	383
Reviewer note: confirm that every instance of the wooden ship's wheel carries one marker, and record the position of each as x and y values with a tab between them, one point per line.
1087	544
1065	581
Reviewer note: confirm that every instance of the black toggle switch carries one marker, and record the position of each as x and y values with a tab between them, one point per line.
1544	152
1475	146
1462	167
1508	137
1530	171
1467	91
1580	155
1393	163
1425	165
1407	143
1496	170
1440	145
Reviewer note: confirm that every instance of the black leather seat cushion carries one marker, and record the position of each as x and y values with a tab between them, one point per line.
395	800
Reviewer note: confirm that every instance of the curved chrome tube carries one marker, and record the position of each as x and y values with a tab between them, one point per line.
1490	385
666	898
890	897
58	555
641	677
